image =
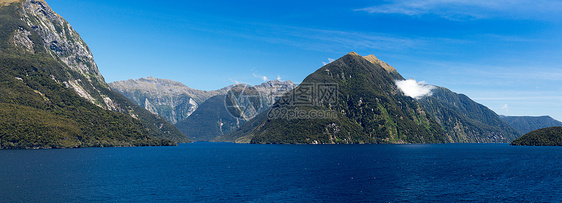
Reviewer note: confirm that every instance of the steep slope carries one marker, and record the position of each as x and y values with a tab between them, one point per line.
551	136
351	100
526	124
465	121
210	120
50	84
169	99
222	114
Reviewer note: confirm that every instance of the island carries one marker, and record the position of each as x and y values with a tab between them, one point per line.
551	136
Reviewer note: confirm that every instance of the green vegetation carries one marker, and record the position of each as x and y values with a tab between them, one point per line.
551	136
37	112
465	121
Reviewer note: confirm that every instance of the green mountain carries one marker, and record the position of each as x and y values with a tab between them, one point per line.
52	94
464	120
551	136
351	100
526	124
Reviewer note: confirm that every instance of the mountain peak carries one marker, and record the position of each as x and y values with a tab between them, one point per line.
373	59
353	54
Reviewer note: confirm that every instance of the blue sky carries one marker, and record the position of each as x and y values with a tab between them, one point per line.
505	54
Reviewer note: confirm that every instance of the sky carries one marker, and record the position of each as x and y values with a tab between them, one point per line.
504	54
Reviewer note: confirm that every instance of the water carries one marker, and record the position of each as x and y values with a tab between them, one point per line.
222	172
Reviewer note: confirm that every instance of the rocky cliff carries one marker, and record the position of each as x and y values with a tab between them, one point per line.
48	71
169	99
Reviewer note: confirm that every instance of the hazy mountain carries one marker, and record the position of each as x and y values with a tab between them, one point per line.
526	124
53	94
351	100
169	99
551	136
464	120
222	114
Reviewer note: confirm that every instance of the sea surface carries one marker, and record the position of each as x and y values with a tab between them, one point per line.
225	172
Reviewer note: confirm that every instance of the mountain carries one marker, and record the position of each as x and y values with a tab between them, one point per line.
351	100
551	136
53	95
464	120
222	114
526	124
170	99
210	120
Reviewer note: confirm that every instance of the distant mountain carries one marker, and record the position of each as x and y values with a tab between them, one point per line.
53	95
551	136
222	114
351	100
210	120
169	99
464	120
526	124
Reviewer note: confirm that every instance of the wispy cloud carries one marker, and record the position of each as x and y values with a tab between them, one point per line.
264	78
470	9
330	60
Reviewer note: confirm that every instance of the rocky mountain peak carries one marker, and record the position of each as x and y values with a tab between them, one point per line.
60	38
373	59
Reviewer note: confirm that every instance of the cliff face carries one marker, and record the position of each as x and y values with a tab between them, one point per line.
48	69
169	99
63	43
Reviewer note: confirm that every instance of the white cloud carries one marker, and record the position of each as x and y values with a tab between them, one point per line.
414	89
278	78
330	60
463	9
264	78
235	81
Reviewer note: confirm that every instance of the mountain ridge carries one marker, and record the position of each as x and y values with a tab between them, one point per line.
526	124
465	120
461	119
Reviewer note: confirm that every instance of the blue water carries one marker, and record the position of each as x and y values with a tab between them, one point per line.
211	172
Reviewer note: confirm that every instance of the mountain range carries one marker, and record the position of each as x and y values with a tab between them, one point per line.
169	99
53	95
355	100
201	115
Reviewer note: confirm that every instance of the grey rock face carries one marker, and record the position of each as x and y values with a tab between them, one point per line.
62	42
170	99
176	102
